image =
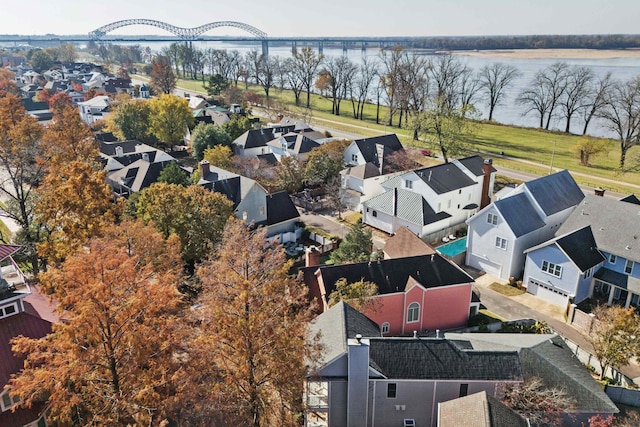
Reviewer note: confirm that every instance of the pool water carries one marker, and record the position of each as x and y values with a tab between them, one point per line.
453	248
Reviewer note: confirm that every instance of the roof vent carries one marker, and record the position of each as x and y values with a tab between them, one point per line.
627	247
358	337
415	334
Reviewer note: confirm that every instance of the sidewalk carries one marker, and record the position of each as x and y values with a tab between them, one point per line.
530	306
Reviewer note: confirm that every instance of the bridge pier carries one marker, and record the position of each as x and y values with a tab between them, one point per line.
265	48
294	47
345	48
364	48
321	47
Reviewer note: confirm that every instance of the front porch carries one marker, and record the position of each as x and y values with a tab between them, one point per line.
616	288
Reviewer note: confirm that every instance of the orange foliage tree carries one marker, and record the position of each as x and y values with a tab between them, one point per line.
116	360
254	316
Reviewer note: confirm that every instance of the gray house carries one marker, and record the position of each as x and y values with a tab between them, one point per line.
529	215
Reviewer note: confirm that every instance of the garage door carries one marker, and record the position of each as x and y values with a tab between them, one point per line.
548	292
489	267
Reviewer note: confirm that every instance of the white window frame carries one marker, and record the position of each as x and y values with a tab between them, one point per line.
612	259
551	268
3	312
5	395
492	219
413	312
628	267
354	158
385	328
408	184
501	243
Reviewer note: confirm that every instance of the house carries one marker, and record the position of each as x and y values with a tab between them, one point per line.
16	320
420	293
253	142
561	270
292	144
529	215
38	109
432	202
478	410
252	203
96	108
595	254
372	150
362	379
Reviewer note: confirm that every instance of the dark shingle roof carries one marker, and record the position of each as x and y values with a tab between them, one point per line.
556	192
580	246
475	164
280	208
519	213
424	358
230	187
254	138
391	275
367	147
631	198
106	137
445	178
270	158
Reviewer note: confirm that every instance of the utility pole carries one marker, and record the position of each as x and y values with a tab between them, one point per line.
553	153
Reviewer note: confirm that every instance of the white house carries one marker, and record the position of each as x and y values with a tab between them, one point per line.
94	109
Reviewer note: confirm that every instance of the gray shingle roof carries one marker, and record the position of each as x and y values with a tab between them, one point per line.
478	410
368	170
254	138
367	147
520	214
475	164
555	192
445	178
615	225
427	358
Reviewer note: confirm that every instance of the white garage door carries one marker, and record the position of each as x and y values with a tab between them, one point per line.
548	292
489	267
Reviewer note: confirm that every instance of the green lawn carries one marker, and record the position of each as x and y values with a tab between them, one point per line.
507	290
524	148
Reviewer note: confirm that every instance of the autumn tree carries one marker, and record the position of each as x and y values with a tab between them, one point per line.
325	162
494	80
237	126
207	135
163	80
195	215
219	156
544	92
130	120
356	246
340	73
113	361
254	318
357	294
41	60
20	149
173	174
540	404
59	102
74	202
615	337
588	147
289	174
170	118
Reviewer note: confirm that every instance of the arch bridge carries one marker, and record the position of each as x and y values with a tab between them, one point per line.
186	34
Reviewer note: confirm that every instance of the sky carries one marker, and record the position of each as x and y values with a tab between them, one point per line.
333	17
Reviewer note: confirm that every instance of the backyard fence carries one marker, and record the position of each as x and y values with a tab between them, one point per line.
326	244
623	395
591	361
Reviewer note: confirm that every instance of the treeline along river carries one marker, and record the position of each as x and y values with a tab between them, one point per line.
510	112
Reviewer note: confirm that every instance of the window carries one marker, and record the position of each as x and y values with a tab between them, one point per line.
588	273
374	213
409	422
551	268
501	243
392	388
8	310
408	183
464	389
459	191
354	158
7	402
385	328
261	210
448	203
413	312
245	215
492	219
628	267
612	259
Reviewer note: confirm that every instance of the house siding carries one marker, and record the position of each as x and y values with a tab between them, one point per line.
482	253
620	264
567	282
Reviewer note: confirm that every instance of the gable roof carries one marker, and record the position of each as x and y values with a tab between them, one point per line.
406	244
519	214
580	246
406	204
139	174
269	158
367	146
631	198
391	275
555	192
484	409
254	138
280	208
475	164
445	178
368	170
441	359
615	225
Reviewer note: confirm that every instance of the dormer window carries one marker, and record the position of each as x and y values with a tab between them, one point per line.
492	219
408	184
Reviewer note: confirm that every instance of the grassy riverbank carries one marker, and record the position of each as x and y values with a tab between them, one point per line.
525	149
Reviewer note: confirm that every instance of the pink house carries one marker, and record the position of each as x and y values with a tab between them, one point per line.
421	293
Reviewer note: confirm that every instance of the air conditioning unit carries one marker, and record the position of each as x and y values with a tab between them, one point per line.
409	422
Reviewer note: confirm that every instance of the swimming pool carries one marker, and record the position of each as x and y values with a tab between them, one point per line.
453	248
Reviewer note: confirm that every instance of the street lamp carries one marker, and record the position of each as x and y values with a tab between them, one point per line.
552	155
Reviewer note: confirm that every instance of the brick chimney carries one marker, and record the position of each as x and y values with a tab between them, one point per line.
312	257
599	191
487	168
204	169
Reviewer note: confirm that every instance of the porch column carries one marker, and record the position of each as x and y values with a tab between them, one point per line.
629	295
611	295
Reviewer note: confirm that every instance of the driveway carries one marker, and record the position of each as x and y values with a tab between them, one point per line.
329	224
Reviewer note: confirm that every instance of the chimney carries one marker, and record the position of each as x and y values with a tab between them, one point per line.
380	155
312	257
357	381
485	198
599	191
119	151
145	157
204	169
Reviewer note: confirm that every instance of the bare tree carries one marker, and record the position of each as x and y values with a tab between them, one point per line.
446	75
295	80
622	113
390	78
597	99
469	87
554	78
363	80
577	88
535	98
540	404
494	79
414	88
340	71
306	64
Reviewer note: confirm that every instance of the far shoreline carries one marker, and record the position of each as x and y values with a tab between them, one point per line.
551	53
